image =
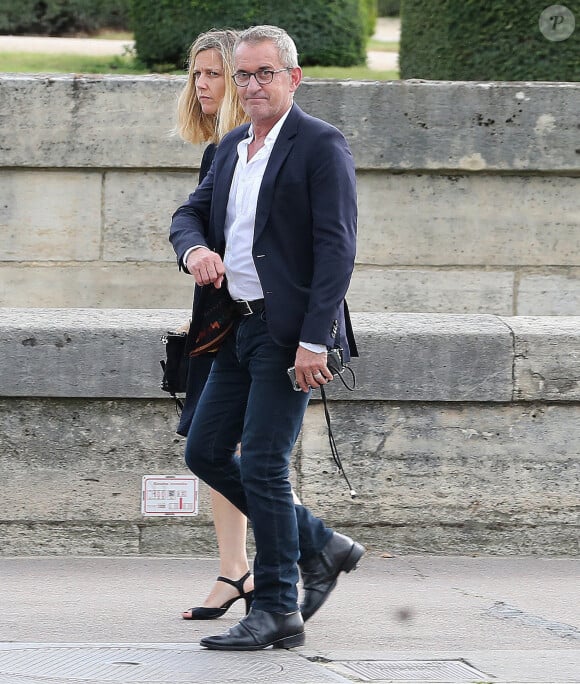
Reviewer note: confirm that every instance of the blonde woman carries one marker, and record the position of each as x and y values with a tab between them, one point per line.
208	108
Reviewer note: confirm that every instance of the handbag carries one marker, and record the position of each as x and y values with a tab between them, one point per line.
175	364
213	318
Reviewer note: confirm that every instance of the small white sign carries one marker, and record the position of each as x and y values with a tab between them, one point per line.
169	495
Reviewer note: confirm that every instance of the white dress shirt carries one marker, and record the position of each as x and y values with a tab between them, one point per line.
242	277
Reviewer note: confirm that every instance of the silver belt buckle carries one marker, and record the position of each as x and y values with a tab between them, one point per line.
248	311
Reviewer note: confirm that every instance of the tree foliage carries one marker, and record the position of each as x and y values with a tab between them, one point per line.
326	32
62	17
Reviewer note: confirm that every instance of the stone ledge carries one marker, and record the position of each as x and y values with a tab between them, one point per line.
124	122
115	353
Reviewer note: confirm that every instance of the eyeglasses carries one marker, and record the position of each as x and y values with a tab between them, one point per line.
262	76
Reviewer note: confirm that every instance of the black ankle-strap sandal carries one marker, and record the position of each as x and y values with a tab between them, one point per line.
202	613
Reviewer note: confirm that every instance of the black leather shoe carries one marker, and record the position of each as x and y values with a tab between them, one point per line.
319	573
260	629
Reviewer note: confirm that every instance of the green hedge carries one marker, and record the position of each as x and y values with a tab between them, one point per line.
370	12
389	8
62	17
326	32
484	40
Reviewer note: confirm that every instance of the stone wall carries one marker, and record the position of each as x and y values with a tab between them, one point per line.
463	435
469	193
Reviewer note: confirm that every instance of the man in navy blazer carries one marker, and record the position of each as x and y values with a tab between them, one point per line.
274	221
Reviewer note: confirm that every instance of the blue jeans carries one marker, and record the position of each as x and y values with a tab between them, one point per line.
248	398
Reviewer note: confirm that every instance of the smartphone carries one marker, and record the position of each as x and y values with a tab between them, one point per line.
292	375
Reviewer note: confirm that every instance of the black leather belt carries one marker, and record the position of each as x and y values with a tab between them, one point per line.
244	308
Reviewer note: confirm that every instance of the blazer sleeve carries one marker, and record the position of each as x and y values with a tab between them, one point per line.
332	192
189	224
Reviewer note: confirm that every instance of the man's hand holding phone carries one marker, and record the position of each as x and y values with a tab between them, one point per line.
311	370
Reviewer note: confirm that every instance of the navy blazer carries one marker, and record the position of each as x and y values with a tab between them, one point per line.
305	230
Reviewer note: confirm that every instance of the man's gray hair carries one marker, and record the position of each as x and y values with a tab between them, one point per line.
284	44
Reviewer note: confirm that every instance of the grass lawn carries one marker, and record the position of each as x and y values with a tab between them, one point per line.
359	73
35	62
113	35
382	46
29	62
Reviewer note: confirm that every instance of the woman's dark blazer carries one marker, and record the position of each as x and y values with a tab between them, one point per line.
198	367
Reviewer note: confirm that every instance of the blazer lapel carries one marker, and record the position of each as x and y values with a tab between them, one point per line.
281	149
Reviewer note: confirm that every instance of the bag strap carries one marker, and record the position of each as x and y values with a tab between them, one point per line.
333	447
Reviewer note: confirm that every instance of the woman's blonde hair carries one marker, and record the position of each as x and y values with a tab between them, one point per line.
192	124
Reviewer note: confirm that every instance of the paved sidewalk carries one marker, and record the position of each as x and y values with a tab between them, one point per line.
387	30
415	618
